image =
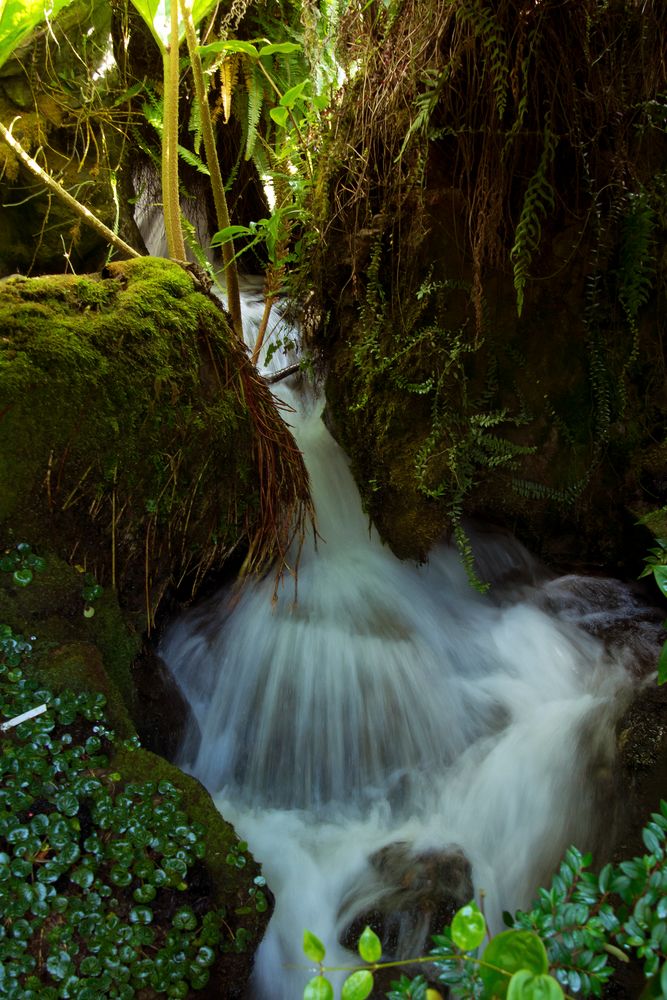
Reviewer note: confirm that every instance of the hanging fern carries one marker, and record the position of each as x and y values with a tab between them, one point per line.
254	84
538	201
488	29
637	255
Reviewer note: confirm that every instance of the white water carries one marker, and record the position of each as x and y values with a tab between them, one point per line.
392	703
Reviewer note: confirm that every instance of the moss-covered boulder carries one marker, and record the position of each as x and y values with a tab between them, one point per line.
129	442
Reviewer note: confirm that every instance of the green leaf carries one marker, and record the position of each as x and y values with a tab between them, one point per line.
279	48
662	665
313	947
370	946
279	116
230	233
291	96
357	986
468	927
157	17
525	986
660	574
18	18
231	45
318	988
511	951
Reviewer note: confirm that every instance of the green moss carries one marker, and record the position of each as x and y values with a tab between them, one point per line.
122	429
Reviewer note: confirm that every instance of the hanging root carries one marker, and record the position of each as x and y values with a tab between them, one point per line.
285	503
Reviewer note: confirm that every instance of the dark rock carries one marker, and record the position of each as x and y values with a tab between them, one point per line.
405	897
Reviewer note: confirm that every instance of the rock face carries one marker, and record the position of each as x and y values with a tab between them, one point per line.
405	897
475	369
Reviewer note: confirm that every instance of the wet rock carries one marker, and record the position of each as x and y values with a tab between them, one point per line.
616	612
405	897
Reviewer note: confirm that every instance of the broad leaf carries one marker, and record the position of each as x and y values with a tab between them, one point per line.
279	48
660	574
525	986
18	18
229	233
230	46
662	665
157	17
291	96
279	115
511	951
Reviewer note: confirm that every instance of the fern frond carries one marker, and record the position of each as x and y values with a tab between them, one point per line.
229	69
637	255
255	90
488	29
194	126
538	200
193	160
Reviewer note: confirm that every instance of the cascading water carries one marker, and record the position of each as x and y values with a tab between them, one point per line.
393	707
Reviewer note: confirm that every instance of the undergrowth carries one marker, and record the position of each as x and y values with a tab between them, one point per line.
103	885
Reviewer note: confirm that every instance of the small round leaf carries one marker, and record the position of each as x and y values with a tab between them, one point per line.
468	927
525	986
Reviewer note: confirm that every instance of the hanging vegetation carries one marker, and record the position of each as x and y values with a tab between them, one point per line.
513	153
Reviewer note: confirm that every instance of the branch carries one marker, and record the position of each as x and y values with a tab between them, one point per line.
60	191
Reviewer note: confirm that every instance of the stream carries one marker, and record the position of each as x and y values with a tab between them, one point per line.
394	741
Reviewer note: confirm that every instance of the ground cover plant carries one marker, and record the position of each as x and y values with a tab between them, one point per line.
103	886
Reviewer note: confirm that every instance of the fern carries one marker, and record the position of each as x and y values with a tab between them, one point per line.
487	27
229	69
255	97
194	126
637	257
538	200
193	160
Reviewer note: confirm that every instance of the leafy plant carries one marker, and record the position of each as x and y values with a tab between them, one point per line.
538	201
656	564
21	562
562	946
92	866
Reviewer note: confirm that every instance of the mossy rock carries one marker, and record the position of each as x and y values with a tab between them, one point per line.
124	436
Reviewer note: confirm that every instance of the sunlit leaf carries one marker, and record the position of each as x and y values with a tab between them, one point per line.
279	115
318	988
468	927
511	951
370	946
279	48
231	45
18	18
357	986
291	96
313	947
525	986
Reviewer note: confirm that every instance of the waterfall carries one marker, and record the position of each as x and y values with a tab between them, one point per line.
391	712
